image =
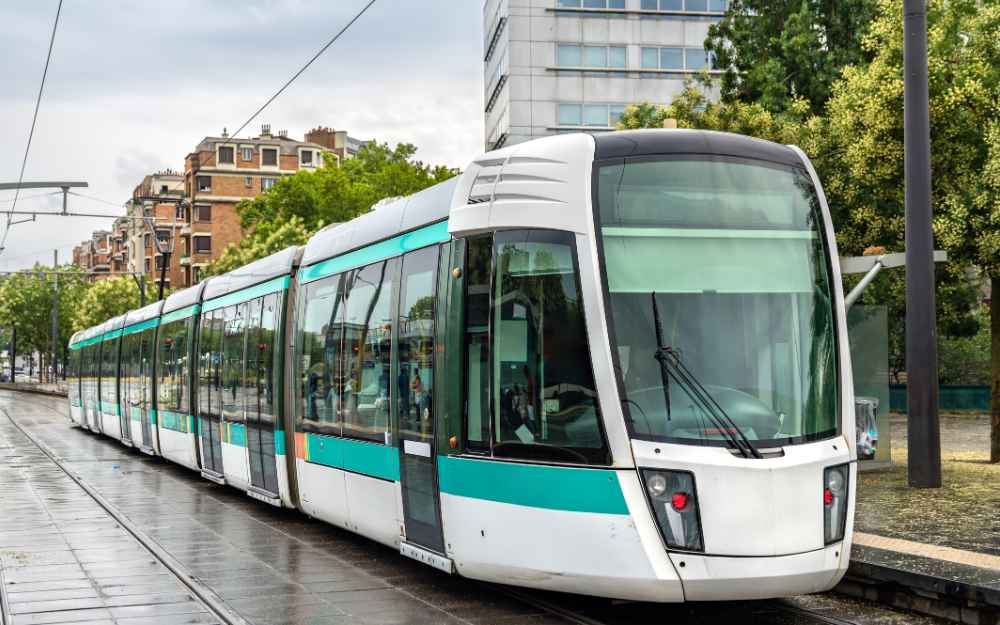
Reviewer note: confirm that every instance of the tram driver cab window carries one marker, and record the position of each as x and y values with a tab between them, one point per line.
543	399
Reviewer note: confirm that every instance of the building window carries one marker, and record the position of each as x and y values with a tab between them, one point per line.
146	240
202	245
227	156
204	184
180	212
246	154
248	181
691	6
595	115
186	246
307	158
267	183
159	263
590	4
269	157
691	59
196	275
575	55
148	268
164	189
204	212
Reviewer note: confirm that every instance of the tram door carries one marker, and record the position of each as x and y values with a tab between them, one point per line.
129	392
415	390
210	391
261	404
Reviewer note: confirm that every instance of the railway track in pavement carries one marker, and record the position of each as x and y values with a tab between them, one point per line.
212	604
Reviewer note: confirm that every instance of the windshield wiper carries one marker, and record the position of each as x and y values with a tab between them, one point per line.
671	365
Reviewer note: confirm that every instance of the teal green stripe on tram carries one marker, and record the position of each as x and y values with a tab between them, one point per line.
177	315
174	421
279	442
272	286
428	235
537	486
139	327
372	459
110	336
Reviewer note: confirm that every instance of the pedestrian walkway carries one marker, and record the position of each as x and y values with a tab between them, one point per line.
932	550
64	558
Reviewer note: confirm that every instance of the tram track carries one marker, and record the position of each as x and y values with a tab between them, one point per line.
204	594
632	613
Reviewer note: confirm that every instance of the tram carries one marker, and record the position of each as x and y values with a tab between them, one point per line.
612	365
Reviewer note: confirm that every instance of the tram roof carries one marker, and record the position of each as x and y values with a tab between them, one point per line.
184	298
630	143
257	272
150	311
384	221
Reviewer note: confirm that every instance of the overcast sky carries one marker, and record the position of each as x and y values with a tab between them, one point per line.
133	87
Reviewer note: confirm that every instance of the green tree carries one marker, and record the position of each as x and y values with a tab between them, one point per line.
857	147
26	303
776	51
299	205
105	299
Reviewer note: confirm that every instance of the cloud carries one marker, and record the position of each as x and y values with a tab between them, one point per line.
133	87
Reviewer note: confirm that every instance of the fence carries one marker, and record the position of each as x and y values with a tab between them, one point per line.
958	398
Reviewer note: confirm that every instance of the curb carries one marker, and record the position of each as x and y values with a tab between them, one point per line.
950	599
7	386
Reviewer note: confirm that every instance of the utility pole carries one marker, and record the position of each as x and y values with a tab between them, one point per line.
55	315
924	436
13	353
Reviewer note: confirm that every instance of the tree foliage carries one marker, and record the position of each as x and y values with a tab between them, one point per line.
299	205
105	299
775	52
855	140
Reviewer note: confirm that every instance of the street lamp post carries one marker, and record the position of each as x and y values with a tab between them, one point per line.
924	437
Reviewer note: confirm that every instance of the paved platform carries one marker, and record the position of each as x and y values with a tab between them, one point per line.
270	566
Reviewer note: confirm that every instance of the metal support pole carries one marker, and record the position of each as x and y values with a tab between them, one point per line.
165	260
55	315
13	354
142	291
924	437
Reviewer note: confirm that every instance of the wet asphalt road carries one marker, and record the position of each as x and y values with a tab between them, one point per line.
269	565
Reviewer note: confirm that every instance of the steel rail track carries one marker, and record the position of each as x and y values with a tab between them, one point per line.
212	602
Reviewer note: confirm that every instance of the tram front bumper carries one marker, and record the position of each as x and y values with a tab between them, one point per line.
720	578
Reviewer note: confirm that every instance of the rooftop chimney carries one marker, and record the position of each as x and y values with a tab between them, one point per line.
265	131
283	134
225	133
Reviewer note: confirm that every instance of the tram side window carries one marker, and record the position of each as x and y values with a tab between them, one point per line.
543	399
109	371
234	389
416	341
146	347
172	367
479	257
270	337
209	365
367	351
319	346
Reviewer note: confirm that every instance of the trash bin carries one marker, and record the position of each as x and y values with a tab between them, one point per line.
866	426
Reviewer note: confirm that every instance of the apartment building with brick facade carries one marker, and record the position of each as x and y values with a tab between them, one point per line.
95	254
196	209
221	172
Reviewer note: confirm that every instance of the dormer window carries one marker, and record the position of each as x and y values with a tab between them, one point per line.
307	158
227	155
246	154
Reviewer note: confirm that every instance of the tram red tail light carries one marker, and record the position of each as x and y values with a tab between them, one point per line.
679	501
835	490
672	495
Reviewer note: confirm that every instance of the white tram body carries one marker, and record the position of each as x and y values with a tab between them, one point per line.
615	366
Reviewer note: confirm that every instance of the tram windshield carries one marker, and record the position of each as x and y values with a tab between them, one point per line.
733	254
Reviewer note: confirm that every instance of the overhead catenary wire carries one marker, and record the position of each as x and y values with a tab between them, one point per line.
295	76
34	122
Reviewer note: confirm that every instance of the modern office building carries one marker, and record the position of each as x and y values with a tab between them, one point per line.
568	65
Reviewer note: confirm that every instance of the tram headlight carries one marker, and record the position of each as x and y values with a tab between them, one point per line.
835	502
673	498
